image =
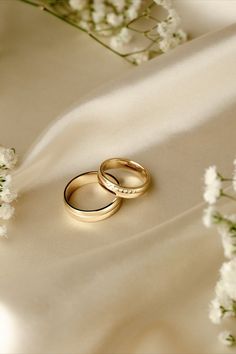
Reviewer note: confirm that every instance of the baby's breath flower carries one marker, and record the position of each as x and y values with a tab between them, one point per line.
209	216
216	311
171	35
213	185
85	25
223	298
5	179
115	20
119	5
181	35
212	193
97	16
7	195
139	58
6	211
124	37
211	175
3	231
227	230
165	3
78	5
227	338
173	20
229	245
131	13
163	29
8	158
228	276
169	39
111	18
168	42
222	306
99	7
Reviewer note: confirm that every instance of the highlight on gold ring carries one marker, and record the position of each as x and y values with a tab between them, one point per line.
116	188
94	214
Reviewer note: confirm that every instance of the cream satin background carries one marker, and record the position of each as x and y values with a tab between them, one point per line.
139	282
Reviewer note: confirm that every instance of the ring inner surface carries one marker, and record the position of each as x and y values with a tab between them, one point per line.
84	193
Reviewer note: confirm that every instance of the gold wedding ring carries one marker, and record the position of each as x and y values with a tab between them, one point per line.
89	215
114	187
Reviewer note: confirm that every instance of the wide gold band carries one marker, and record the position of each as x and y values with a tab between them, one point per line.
114	187
89	215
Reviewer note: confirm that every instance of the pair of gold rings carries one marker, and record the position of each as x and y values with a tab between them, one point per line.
111	184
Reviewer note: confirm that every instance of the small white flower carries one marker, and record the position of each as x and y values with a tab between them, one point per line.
3	231
131	13
5	179
163	29
229	245
211	175
85	25
228	275
212	193
124	37
173	20
224	299
164	3
226	338
139	58
209	216
116	43
97	16
181	35
8	158
8	195
167	43
78	5
215	313
119	5
6	211
228	235
115	20
213	185
99	7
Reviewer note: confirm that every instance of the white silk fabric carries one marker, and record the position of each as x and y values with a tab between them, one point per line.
139	282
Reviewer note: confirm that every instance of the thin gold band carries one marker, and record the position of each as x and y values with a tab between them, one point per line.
89	215
114	187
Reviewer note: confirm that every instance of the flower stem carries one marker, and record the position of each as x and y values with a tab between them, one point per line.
223	194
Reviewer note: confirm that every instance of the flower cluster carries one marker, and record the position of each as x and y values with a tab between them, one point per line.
213	185
115	18
118	24
8	161
105	16
169	30
224	304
